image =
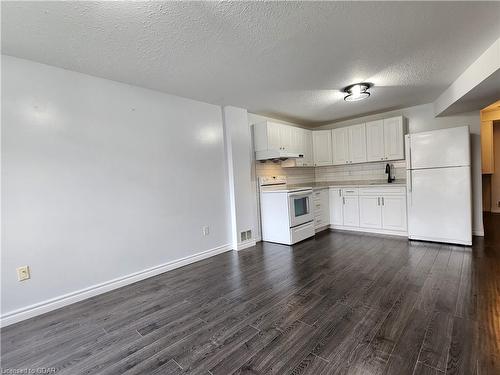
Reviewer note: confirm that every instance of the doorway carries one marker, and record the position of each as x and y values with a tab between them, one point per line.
490	159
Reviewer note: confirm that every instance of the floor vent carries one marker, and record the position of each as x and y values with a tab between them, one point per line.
246	235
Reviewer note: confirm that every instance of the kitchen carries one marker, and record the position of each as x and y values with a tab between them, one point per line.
250	187
372	204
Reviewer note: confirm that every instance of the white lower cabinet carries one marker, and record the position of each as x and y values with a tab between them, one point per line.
370	214
369	209
321	208
336	207
351	211
394	213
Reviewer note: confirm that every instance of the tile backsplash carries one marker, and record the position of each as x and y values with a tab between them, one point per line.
365	171
296	175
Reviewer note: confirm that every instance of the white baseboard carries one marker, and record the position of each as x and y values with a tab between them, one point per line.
79	295
367	230
245	244
321	229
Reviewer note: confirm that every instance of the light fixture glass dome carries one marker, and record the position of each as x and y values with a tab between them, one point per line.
357	91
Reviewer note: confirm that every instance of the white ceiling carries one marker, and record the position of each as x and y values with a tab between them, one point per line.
285	59
479	97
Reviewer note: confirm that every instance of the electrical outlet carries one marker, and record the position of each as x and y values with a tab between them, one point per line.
205	230
23	273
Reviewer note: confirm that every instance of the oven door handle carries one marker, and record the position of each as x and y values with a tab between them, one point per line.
305	193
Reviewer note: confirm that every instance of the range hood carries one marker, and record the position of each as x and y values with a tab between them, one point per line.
276	154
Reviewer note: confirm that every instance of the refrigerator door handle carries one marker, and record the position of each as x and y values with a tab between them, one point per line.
408	151
409	187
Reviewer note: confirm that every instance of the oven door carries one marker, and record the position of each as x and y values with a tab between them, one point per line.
300	207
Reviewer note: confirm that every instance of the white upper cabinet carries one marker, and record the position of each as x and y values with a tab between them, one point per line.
308	147
302	144
375	140
385	139
349	145
272	130
274	140
286	138
297	140
322	147
340	146
357	143
394	138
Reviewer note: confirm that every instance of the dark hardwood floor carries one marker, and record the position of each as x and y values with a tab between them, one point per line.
338	304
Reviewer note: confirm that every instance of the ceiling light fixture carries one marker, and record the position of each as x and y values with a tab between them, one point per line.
357	91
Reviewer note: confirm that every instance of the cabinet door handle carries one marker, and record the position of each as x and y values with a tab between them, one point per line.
378	201
343	201
340	192
383	201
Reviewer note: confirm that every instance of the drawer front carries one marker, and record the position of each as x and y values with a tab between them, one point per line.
301	232
318	223
350	191
383	190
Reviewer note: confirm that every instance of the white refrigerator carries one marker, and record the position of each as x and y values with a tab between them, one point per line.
438	177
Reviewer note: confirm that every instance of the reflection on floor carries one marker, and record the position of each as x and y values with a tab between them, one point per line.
339	303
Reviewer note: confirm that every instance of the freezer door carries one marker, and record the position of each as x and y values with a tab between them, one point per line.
439	205
440	148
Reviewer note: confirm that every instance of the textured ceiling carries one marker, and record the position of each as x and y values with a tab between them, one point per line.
286	59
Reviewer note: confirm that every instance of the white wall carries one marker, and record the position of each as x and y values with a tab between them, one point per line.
239	153
101	180
421	118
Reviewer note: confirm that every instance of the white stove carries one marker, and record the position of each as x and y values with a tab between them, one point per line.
286	212
279	184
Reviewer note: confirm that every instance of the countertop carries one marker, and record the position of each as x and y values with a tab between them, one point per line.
352	183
